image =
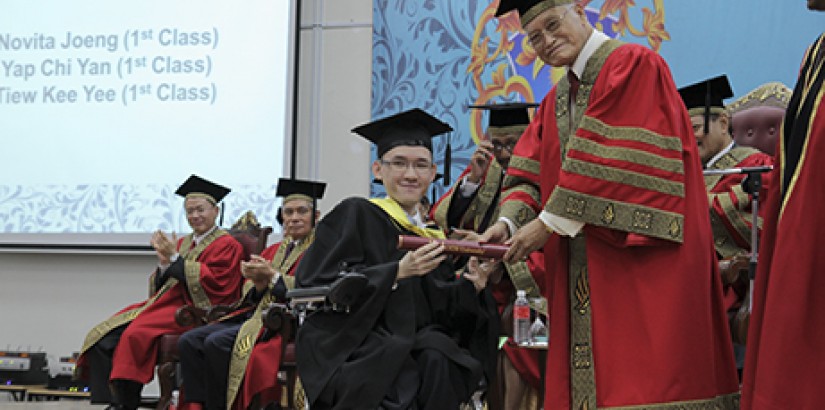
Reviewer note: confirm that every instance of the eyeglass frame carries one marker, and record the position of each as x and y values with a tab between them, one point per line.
499	147
418	167
547	30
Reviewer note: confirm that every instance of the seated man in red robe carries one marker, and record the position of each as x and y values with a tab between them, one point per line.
201	269
217	366
730	206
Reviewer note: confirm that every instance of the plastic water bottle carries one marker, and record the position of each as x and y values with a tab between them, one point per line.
173	404
538	332
521	319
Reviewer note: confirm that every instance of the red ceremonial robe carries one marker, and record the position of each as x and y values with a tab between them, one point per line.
215	278
731	215
637	315
261	373
784	362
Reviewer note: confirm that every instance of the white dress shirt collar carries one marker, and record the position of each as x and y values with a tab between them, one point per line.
596	39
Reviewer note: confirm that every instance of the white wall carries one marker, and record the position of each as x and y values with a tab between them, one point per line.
51	300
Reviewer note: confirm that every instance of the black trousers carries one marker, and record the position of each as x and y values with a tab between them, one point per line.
99	357
205	353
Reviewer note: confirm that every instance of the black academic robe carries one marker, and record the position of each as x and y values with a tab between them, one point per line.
369	358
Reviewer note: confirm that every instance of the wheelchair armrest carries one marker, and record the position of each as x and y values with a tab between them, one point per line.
308	295
347	288
344	291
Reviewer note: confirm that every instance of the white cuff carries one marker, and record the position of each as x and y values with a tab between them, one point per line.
467	188
511	227
561	225
172	260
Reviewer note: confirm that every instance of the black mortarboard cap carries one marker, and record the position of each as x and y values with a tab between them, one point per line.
195	185
528	9
413	127
705	97
309	189
507	114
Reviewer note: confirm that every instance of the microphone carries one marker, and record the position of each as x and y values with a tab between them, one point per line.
742	170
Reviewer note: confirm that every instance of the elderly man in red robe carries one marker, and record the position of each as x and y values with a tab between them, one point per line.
607	180
201	269
787	329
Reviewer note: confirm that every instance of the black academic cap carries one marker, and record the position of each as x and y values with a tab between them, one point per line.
310	189
507	114
197	186
528	9
412	127
705	97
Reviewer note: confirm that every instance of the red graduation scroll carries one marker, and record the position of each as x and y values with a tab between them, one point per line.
456	247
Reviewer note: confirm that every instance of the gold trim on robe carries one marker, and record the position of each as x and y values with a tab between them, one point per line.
251	328
103	328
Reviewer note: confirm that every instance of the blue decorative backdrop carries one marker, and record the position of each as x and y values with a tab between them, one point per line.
444	55
137	208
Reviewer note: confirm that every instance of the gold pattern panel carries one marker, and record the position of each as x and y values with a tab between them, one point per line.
581	356
722	402
729	160
642	220
635	156
736	217
625	216
634	134
192	271
515	184
582	293
622	176
524	164
517	212
575	206
723	242
608	215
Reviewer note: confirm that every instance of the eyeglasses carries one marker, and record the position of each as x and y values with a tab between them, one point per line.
509	146
399	165
537	38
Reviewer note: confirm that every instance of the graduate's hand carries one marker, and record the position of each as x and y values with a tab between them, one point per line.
497	233
529	238
421	261
480	160
464	235
479	272
164	247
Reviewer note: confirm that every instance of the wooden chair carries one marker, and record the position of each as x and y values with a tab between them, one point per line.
253	237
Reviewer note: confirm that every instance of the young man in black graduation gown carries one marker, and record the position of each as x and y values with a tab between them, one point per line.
418	336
